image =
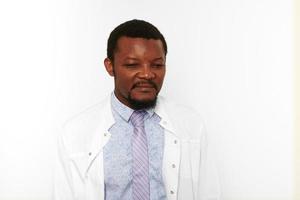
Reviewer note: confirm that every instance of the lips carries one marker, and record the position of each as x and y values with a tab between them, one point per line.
144	85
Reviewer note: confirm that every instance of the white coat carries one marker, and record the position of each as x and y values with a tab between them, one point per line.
188	172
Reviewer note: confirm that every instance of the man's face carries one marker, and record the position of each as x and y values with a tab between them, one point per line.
138	70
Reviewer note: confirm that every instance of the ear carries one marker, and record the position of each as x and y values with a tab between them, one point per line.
109	66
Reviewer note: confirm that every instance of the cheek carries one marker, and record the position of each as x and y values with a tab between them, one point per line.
160	78
124	82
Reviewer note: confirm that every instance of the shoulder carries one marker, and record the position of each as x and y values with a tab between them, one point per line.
180	111
79	129
87	115
184	118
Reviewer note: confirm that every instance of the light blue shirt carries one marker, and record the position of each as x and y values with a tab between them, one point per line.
117	154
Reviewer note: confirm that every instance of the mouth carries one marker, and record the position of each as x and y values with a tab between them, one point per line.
144	86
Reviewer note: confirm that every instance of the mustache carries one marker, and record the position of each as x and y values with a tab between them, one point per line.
144	82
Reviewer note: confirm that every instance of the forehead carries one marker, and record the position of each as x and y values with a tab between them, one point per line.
139	47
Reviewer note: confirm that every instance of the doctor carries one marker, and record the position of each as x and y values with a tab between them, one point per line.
135	145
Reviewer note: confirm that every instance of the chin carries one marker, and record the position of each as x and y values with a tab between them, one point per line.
142	103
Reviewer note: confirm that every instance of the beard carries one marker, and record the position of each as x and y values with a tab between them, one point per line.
141	105
146	104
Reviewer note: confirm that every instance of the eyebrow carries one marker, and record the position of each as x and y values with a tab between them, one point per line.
132	58
160	58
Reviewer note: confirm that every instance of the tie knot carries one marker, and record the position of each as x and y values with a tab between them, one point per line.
137	118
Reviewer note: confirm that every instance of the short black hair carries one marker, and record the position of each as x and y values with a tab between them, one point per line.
134	29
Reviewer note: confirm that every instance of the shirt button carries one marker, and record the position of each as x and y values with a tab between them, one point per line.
173	165
172	192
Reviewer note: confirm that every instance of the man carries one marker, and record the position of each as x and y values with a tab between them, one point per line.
135	144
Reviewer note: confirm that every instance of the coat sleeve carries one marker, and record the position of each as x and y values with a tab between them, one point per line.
62	176
208	180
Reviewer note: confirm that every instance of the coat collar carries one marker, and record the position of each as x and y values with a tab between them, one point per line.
165	121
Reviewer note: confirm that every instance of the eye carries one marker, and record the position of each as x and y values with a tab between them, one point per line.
157	65
131	65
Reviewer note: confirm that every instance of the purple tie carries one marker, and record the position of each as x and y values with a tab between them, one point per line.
140	170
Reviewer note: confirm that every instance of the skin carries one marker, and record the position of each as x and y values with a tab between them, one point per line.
138	69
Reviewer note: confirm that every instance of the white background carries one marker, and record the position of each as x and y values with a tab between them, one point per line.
230	60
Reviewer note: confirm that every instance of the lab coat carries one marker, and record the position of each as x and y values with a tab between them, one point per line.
188	170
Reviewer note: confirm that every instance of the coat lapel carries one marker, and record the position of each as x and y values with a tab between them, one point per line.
101	135
172	152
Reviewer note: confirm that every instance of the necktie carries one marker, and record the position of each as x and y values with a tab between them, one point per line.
140	170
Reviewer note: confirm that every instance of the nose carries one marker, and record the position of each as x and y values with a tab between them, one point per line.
146	72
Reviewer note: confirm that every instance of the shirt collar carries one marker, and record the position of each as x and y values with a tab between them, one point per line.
124	111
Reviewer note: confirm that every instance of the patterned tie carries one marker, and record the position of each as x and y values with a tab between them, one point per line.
140	170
